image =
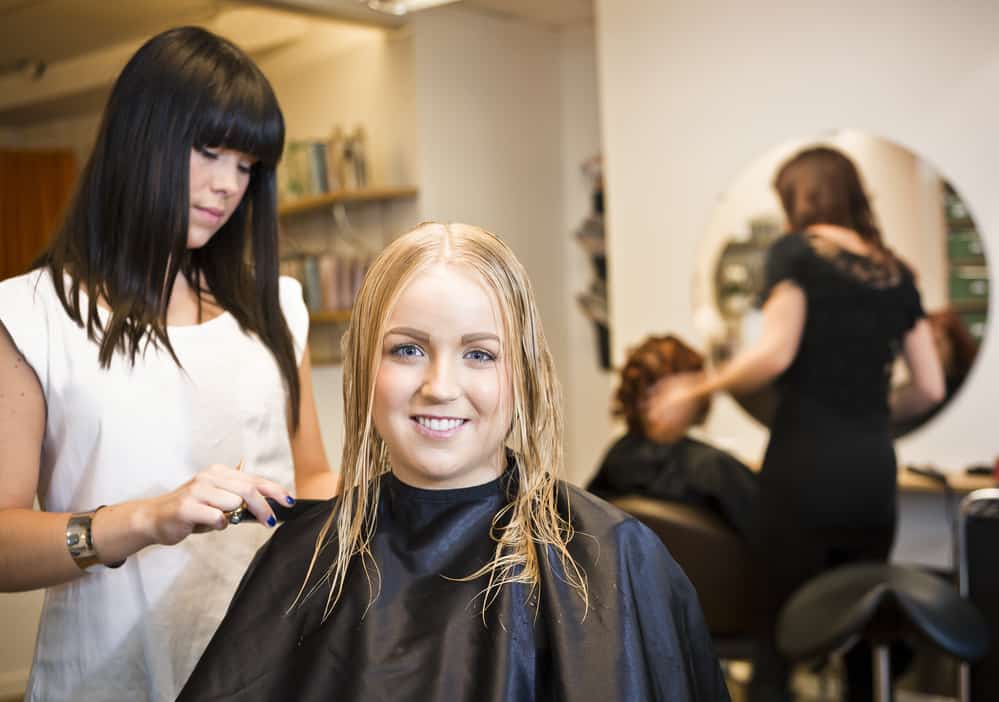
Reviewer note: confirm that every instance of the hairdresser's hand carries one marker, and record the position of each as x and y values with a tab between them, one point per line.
198	504
674	405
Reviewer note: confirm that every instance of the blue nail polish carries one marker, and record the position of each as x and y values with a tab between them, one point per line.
271	521
290	500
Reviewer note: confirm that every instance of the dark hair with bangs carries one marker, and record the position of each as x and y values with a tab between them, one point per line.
124	237
822	186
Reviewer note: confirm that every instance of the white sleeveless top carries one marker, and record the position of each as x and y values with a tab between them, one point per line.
111	435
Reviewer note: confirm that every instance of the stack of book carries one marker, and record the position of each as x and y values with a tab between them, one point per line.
329	281
311	168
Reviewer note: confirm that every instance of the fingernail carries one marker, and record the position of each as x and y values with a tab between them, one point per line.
271	521
290	500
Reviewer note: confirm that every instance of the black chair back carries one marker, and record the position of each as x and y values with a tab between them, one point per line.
979	573
715	559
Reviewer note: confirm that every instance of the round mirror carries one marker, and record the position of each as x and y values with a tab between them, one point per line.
922	218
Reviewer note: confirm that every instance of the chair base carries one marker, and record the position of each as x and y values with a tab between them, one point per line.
882	674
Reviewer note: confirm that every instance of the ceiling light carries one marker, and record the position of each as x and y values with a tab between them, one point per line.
402	7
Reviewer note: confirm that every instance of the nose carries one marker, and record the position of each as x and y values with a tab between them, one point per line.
440	384
225	177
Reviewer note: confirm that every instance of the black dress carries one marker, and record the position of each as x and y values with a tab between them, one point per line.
423	638
828	482
688	471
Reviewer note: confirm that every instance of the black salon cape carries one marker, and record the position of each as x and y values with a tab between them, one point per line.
424	639
688	471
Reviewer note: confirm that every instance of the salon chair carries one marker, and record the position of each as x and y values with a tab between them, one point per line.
879	603
715	559
979	582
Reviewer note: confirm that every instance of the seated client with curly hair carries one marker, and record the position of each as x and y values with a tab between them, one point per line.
650	460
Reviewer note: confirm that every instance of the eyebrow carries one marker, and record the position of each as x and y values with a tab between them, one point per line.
424	337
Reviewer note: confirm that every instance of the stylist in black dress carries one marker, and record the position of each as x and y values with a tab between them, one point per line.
839	307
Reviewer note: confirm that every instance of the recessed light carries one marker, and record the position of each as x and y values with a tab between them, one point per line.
402	7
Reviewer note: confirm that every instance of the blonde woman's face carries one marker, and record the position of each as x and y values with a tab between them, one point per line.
443	399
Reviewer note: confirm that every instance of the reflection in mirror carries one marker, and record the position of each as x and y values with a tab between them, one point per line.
922	218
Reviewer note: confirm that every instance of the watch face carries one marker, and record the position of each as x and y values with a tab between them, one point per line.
79	540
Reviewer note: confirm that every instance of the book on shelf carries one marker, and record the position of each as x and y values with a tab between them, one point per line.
310	285
330	282
294	178
315	167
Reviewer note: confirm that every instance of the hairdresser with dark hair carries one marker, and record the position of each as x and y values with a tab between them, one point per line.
151	351
839	305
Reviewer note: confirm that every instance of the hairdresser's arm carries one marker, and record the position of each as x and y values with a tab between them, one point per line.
33	552
927	386
772	353
313	477
676	401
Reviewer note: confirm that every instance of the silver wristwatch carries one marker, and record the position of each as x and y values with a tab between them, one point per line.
80	540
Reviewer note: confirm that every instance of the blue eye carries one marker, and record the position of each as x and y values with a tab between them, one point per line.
480	355
406	351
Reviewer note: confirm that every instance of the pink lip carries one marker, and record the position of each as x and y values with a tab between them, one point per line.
211	211
437	434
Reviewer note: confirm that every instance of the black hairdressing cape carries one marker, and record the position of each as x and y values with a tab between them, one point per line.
423	638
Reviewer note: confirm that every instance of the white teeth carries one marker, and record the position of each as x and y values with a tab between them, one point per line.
440	424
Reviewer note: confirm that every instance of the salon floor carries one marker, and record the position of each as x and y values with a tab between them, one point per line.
814	687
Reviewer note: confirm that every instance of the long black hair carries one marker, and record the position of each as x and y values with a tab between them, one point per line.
124	237
822	186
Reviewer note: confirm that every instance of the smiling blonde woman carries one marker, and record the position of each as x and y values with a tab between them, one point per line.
455	565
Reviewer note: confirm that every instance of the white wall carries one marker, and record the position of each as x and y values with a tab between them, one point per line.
347	76
19	614
488	114
488	120
692	92
507	112
587	387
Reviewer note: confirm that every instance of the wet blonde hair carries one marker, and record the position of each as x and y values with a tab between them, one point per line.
526	527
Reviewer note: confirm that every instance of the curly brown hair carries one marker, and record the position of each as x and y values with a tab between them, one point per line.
652	360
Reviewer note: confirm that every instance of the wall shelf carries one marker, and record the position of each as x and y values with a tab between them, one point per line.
317	202
311	227
329	316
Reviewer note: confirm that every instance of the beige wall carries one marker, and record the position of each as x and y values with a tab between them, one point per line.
693	92
488	120
507	112
587	387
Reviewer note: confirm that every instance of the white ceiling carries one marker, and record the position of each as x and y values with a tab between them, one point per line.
53	30
554	13
52	35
